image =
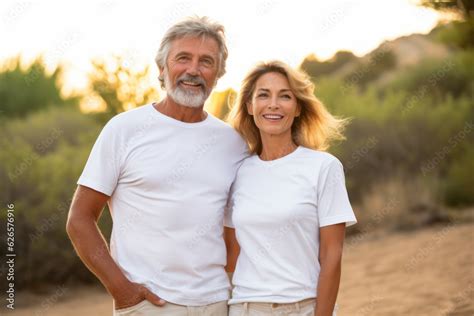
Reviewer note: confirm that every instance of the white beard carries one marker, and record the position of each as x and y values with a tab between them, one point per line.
184	97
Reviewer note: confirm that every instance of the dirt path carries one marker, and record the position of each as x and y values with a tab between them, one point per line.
429	272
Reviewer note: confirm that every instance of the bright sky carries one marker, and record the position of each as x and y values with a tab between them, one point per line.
75	32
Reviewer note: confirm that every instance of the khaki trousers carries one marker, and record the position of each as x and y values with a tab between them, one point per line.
302	308
145	308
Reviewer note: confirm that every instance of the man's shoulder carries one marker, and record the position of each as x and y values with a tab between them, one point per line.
131	119
229	137
223	127
138	112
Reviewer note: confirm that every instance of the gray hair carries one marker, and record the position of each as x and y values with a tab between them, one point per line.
194	27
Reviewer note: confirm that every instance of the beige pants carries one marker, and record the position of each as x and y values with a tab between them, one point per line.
302	308
145	308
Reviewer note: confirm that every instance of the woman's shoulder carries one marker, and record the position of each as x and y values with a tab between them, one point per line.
318	156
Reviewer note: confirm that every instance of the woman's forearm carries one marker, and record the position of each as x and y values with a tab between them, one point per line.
328	286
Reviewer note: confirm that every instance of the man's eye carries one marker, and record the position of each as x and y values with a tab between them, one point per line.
207	62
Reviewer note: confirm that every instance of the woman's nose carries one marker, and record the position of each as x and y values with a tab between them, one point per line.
273	104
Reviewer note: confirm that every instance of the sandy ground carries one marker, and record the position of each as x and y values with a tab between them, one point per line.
427	272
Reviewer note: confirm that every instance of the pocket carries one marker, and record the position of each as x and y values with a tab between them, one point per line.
130	309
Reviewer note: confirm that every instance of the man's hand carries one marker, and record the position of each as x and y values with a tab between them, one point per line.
133	294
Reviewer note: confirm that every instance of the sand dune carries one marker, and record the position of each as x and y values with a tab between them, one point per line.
427	272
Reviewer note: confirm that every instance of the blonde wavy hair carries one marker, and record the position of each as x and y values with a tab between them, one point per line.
314	128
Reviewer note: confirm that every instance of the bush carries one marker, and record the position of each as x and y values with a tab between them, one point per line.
40	182
459	185
24	90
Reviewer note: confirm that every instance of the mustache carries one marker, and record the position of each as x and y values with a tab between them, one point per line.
192	79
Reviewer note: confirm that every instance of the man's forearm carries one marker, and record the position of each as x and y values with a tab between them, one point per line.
92	248
328	286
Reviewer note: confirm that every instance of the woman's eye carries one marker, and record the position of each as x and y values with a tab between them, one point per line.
261	95
286	96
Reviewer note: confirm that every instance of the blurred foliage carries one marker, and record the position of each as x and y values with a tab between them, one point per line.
452	76
315	68
386	137
220	102
24	90
120	87
458	34
41	159
462	8
377	63
459	185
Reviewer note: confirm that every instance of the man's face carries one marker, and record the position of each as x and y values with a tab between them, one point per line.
191	70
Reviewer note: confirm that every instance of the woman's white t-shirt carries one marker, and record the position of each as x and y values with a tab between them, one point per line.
277	208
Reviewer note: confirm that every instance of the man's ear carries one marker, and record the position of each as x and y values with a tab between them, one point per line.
161	69
249	108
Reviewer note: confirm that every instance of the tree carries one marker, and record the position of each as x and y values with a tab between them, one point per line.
24	90
119	87
315	68
463	8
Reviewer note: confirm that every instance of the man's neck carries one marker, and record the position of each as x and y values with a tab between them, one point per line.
180	112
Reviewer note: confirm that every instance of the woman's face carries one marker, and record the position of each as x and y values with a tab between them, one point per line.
273	105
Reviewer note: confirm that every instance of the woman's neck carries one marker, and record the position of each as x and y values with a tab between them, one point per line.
274	147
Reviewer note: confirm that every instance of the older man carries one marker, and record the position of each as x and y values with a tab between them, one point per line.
165	170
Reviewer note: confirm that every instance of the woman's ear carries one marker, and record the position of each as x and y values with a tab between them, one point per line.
298	110
249	108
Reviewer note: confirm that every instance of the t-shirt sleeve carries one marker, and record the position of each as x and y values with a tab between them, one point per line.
229	209
102	169
333	201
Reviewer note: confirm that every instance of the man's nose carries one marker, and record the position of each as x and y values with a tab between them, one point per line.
193	68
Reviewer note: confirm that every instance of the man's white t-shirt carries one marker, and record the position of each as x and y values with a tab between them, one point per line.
277	208
169	183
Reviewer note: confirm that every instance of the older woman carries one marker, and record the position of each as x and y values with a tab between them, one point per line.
288	205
